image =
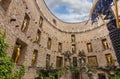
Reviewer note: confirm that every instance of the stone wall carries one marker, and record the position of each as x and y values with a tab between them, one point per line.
11	21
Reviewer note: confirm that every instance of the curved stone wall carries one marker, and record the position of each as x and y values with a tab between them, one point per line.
12	20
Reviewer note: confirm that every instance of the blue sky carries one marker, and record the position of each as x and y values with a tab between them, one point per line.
70	10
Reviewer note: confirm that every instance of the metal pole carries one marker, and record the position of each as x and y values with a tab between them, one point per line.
116	13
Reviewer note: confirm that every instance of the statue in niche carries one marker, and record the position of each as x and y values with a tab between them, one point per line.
49	44
24	24
37	38
105	45
109	59
41	21
82	57
67	55
33	58
18	50
73	48
89	48
73	38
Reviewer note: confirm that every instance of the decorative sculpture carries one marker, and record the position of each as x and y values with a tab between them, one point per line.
82	56
24	24
67	58
105	44
37	38
49	43
17	53
33	58
109	59
89	47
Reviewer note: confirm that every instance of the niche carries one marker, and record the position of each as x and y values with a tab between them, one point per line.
25	23
19	51
41	21
34	57
59	62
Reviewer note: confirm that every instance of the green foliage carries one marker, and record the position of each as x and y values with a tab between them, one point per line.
6	65
49	78
6	68
76	69
3	44
116	76
19	73
51	73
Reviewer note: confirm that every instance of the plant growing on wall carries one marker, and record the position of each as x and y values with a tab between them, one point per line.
116	75
50	73
7	67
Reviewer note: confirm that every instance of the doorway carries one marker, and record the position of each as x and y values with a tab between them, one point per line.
75	75
101	76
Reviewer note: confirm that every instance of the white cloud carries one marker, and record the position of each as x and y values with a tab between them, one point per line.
73	17
78	9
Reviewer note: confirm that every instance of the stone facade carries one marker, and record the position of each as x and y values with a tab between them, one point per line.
11	21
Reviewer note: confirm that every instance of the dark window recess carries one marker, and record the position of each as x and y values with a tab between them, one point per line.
47	61
59	61
74	61
101	76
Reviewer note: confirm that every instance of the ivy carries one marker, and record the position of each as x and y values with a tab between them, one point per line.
20	73
50	73
7	67
116	76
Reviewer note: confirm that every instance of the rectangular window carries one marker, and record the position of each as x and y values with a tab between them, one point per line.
89	47
109	58
25	23
38	36
49	43
92	60
59	62
34	57
59	47
105	44
73	48
72	38
74	61
47	61
101	76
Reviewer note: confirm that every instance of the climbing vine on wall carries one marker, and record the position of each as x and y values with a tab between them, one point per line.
7	67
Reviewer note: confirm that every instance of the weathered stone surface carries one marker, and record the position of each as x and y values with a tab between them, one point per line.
61	32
